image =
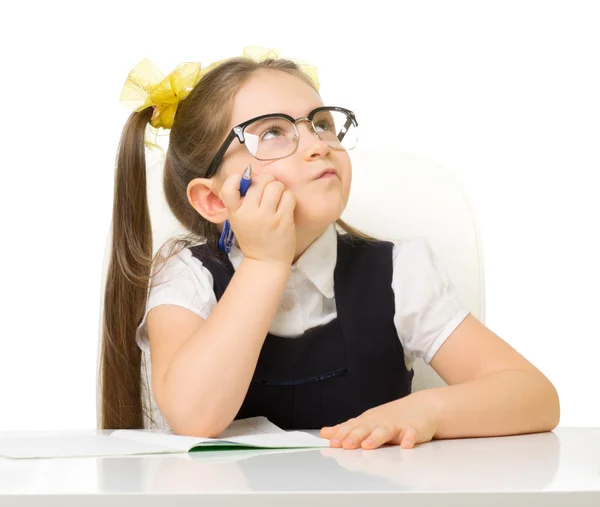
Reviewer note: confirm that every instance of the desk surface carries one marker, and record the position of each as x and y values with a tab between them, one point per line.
556	468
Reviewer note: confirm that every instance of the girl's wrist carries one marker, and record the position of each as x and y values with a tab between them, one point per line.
431	403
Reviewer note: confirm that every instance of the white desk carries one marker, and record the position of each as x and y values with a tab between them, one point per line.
546	469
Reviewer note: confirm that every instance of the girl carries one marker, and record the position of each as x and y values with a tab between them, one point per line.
306	321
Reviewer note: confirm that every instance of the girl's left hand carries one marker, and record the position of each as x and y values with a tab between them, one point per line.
405	422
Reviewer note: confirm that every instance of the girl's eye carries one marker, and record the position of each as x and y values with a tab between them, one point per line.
271	132
324	126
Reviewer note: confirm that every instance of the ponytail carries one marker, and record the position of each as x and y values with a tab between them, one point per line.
126	281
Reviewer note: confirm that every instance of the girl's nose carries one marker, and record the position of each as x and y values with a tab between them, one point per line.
307	126
309	143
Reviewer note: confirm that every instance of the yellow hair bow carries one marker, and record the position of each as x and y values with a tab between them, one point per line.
146	86
260	54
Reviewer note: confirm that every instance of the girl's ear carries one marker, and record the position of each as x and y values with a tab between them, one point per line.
202	194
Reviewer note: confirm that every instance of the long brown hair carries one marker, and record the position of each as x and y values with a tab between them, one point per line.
201	122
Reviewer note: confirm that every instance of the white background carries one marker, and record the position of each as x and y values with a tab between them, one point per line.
505	94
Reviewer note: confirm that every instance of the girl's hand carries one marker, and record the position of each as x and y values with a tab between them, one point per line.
405	422
263	220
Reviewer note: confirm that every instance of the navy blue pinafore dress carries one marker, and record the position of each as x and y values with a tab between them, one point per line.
336	371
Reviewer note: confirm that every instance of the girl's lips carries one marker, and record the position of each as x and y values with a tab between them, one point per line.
327	173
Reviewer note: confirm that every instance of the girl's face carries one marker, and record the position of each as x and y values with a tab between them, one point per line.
320	199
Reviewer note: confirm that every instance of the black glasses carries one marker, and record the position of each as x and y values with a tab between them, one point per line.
274	136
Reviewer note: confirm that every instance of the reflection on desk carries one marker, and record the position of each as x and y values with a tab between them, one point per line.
563	462
509	463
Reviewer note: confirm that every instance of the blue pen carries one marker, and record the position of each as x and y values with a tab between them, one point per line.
226	239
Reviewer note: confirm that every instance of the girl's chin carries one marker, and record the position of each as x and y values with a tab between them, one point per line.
311	216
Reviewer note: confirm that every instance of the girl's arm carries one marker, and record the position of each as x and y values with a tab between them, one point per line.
493	390
199	380
202	383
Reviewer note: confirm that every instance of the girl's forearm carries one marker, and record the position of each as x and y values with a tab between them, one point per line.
502	403
208	378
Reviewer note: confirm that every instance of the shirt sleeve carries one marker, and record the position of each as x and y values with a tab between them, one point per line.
428	307
183	281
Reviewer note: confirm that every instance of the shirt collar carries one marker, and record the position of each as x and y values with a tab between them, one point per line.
317	263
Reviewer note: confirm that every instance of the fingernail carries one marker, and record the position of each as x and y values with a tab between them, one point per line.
369	442
349	441
335	442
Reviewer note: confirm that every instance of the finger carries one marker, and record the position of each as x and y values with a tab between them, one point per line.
329	431
342	432
379	436
287	203
409	438
271	196
229	192
255	192
355	437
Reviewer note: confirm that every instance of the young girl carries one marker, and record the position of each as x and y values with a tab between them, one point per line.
306	321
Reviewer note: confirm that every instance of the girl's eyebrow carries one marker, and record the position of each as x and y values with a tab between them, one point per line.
279	111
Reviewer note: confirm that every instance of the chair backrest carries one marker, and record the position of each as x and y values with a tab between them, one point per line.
394	196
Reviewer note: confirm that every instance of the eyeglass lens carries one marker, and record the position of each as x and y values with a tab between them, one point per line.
272	138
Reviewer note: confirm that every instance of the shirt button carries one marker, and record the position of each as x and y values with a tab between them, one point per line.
287	304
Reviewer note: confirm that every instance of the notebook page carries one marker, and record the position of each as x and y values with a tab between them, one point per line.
250	426
169	442
287	439
68	446
253	432
178	443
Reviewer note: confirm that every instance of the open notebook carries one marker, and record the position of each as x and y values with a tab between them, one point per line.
252	433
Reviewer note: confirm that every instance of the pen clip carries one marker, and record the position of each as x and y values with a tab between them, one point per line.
226	239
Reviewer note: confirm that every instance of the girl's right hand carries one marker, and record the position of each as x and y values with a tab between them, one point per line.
263	220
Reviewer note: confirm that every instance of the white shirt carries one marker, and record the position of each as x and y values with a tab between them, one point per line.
427	306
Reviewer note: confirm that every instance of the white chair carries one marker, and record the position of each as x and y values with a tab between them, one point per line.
393	196
402	195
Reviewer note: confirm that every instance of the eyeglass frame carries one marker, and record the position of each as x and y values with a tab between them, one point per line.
238	131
